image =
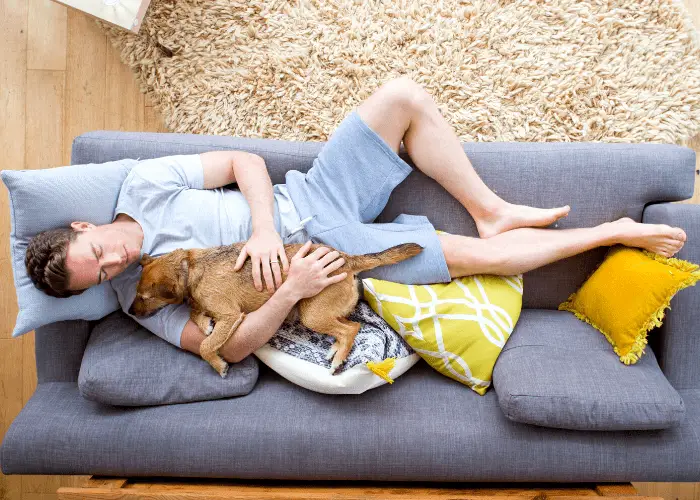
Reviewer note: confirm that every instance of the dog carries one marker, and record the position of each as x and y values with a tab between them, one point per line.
216	293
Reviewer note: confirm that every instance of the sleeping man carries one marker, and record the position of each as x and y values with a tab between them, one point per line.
175	202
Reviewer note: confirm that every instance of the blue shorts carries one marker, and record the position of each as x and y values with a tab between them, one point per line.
346	189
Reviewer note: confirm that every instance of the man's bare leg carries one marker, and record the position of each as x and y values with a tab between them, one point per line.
403	110
523	249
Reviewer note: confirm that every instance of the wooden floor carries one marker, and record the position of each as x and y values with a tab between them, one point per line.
59	77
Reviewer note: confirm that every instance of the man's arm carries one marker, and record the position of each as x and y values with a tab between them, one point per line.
249	171
256	329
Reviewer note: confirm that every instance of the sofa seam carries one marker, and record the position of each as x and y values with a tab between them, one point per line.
511	396
82	138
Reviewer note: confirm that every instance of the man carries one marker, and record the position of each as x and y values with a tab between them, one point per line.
174	202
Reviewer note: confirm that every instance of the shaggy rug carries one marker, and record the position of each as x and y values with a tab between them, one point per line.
523	70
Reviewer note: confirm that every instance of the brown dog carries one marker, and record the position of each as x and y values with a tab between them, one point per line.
206	279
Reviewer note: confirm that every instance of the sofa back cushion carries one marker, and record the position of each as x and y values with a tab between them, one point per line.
601	182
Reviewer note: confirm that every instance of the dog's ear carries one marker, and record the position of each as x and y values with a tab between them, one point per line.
146	259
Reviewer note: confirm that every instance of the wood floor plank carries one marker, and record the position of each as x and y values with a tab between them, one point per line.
153	121
29	378
46	36
85	79
124	103
45	100
13	64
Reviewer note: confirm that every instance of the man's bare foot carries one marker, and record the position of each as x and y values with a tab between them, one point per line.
515	216
658	238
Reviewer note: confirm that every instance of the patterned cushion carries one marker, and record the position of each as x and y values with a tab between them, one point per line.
459	328
378	356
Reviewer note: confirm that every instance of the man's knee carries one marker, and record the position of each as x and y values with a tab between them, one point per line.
407	94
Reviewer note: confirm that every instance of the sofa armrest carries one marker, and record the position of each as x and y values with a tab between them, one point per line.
677	343
59	349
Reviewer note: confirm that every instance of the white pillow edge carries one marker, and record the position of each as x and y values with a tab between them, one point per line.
313	377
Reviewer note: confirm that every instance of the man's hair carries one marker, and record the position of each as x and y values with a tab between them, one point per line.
46	261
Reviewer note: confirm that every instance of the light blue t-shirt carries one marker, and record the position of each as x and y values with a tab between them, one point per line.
166	196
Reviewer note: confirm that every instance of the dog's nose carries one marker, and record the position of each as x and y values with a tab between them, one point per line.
131	310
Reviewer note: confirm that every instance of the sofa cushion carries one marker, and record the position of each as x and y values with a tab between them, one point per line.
52	198
557	371
126	365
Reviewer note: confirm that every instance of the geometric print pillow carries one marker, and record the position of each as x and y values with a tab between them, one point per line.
378	356
459	328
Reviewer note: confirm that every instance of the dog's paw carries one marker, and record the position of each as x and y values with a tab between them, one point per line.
335	365
331	352
224	371
210	328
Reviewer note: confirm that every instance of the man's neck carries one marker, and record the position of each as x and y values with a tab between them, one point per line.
131	227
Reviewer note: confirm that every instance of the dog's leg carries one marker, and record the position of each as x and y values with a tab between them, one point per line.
342	329
223	329
204	322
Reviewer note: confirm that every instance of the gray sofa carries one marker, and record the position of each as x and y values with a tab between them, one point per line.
424	427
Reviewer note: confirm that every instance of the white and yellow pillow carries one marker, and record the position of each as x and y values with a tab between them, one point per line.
459	328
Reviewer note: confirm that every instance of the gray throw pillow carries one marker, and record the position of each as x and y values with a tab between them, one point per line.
52	198
126	365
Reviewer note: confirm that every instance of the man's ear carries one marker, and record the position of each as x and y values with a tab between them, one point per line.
146	259
81	226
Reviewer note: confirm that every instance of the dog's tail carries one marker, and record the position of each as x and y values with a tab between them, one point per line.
359	263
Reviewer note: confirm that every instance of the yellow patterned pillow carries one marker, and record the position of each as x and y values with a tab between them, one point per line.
459	328
627	294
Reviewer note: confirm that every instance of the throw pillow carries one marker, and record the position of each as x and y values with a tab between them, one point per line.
627	294
378	356
52	198
459	328
124	364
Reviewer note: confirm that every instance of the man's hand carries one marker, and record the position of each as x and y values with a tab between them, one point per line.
264	247
308	274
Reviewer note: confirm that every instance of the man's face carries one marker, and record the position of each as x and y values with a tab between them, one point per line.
98	254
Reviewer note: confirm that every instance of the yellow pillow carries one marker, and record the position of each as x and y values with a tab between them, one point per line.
627	294
459	328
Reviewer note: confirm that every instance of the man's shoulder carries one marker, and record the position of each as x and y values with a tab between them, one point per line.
165	173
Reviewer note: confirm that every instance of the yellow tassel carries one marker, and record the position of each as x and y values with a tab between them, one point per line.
382	368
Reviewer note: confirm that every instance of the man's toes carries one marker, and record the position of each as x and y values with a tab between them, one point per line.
680	234
563	211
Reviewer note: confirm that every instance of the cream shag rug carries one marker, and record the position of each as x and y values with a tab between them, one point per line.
525	70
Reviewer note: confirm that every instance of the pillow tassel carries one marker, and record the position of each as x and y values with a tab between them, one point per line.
382	368
656	319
